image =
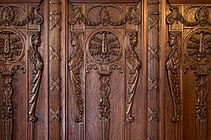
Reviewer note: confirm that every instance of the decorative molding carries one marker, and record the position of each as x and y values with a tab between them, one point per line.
9	14
75	64
104	16
201	17
37	61
7	104
134	65
173	72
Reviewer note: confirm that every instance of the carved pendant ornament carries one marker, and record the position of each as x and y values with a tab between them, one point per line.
134	65
173	67
104	16
37	61
75	64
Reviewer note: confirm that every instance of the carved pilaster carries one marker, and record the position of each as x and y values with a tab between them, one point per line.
153	70
55	69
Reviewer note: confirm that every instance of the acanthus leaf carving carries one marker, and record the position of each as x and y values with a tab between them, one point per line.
75	64
173	68
134	65
37	61
104	17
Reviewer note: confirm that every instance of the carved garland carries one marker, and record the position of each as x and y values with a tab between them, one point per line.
134	65
75	64
104	17
37	62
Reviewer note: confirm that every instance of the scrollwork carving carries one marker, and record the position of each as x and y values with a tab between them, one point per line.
201	17
75	64
37	61
104	17
8	16
134	65
173	67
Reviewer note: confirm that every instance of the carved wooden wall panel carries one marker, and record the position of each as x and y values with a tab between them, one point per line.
104	70
188	70
21	68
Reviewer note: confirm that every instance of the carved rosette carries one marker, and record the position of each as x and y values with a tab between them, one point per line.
37	61
134	65
75	64
105	16
173	72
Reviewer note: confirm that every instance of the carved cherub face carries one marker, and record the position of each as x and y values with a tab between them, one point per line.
75	40
133	39
36	39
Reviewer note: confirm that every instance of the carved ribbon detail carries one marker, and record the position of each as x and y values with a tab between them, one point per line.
37	61
75	63
104	15
7	105
201	17
173	67
8	17
134	65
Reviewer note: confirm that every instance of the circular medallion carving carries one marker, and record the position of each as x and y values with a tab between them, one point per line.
198	45
11	46
104	47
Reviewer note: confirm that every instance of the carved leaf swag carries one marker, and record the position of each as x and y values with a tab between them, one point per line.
173	67
7	17
38	64
134	65
7	105
75	64
201	17
104	17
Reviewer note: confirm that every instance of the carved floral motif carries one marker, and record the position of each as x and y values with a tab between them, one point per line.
104	47
8	16
173	67
105	17
11	46
134	65
201	17
37	62
75	64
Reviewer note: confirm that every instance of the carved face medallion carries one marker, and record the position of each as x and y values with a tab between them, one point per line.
11	47
198	45
104	47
